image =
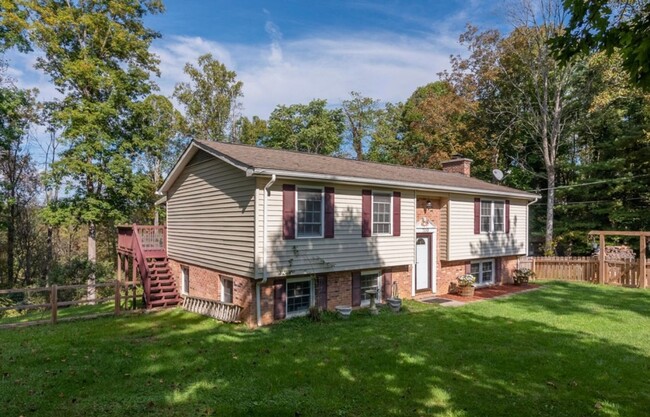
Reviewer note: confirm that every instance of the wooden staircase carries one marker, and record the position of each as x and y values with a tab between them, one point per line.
146	247
163	291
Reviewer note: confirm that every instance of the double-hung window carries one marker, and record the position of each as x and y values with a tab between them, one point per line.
299	296
370	280
185	280
309	212
227	289
381	214
483	272
492	216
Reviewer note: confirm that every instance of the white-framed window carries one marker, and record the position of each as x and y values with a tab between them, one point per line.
310	212
227	289
483	271
370	280
185	280
382	213
300	296
492	216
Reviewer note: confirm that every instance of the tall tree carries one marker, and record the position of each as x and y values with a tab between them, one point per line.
388	134
436	122
620	26
160	137
250	131
361	117
211	99
522	86
306	128
97	54
18	112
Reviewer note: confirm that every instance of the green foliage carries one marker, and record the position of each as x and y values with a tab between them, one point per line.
210	99
251	131
610	26
97	55
306	128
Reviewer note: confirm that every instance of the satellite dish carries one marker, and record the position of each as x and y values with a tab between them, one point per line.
498	174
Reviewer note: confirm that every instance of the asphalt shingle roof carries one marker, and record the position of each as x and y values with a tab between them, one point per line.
299	162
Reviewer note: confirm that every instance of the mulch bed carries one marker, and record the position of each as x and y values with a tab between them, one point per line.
491	292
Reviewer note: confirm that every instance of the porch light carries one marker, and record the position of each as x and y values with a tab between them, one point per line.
429	205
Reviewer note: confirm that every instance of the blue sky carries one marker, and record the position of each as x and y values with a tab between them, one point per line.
288	52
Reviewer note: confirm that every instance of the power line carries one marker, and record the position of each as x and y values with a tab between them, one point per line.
592	183
571	203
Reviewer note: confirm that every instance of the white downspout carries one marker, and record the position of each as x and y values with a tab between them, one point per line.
265	273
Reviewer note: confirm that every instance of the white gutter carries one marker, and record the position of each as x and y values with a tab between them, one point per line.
528	222
265	272
386	183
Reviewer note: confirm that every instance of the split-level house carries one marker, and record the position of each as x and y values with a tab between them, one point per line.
276	231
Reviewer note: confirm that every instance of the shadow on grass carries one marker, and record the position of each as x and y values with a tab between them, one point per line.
431	361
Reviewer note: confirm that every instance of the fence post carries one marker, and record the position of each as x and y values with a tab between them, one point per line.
642	262
118	301
601	259
54	302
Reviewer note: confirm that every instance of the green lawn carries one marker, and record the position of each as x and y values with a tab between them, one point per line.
564	350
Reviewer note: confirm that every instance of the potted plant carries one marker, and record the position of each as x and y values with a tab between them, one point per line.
394	301
466	285
522	276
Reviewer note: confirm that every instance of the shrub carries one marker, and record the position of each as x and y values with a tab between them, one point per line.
522	275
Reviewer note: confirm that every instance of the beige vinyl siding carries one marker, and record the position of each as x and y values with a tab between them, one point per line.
347	250
464	244
210	217
444	229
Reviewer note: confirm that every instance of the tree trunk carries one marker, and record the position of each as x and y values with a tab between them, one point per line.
48	256
11	245
549	247
92	258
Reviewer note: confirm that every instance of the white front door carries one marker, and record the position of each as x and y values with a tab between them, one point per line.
422	262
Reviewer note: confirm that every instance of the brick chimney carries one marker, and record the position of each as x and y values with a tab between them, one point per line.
457	165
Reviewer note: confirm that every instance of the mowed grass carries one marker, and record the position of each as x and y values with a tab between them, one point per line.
563	350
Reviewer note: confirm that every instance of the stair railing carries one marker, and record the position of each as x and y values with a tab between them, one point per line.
140	258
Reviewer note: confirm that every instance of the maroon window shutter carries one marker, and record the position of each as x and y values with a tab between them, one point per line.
397	213
288	211
279	299
366	213
356	289
387	285
477	216
329	213
507	216
468	268
321	285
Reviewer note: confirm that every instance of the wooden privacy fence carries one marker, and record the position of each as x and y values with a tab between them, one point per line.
624	272
54	304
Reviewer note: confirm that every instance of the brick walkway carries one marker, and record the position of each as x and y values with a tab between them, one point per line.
453	300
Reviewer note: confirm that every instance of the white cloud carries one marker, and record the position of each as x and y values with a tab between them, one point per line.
384	66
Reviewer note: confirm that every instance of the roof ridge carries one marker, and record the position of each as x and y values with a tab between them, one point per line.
338	158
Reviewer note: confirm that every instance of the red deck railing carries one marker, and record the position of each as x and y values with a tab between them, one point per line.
142	242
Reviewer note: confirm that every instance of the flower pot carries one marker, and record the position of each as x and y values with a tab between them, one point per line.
466	291
344	311
395	304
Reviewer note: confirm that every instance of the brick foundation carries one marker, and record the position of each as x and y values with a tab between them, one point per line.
206	283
